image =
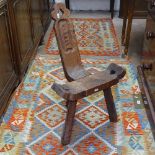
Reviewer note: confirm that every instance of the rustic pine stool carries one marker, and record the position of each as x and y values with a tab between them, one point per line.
81	82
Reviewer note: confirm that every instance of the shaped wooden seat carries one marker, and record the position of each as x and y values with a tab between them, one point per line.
81	83
90	84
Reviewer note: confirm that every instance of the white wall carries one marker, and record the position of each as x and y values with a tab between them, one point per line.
91	4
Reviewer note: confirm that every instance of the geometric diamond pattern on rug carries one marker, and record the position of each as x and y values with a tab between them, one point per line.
93	145
135	145
134	142
48	145
52	116
46	81
92	117
107	132
58	73
34	125
79	131
149	142
69	152
94	37
18	120
95	97
131	123
42	102
81	104
145	125
52	95
101	104
38	129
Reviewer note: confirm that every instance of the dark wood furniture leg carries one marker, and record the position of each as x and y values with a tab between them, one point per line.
124	30
125	10
146	90
129	25
110	105
112	2
71	105
67	4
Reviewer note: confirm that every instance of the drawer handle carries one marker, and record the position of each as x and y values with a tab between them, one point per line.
148	66
150	35
152	4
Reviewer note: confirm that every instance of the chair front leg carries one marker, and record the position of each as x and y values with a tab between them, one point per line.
71	106
110	105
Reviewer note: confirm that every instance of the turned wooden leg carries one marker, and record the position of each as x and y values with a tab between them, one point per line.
112	3
71	105
124	30
129	25
110	105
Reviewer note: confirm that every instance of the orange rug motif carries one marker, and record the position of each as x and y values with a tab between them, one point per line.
34	121
94	36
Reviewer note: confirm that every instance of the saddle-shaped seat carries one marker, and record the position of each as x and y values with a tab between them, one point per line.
81	83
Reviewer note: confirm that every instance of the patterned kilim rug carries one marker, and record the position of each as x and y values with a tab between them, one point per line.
95	37
34	121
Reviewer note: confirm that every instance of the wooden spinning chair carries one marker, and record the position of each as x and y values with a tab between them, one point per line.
81	82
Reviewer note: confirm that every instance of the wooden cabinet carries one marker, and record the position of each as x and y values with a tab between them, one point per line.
22	25
140	10
8	78
28	20
45	12
22	32
36	20
149	38
148	61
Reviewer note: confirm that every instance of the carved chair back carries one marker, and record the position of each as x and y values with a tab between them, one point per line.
67	43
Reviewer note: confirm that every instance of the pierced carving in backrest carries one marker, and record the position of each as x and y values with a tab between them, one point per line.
67	41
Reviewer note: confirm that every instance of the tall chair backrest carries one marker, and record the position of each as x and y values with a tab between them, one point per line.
67	43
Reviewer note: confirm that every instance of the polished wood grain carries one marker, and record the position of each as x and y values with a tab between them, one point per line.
22	26
8	78
127	24
140	10
130	9
147	68
150	35
22	32
45	12
36	20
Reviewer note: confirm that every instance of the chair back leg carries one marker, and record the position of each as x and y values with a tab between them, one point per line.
110	105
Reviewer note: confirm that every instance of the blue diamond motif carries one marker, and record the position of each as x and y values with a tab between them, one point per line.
48	147
91	148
